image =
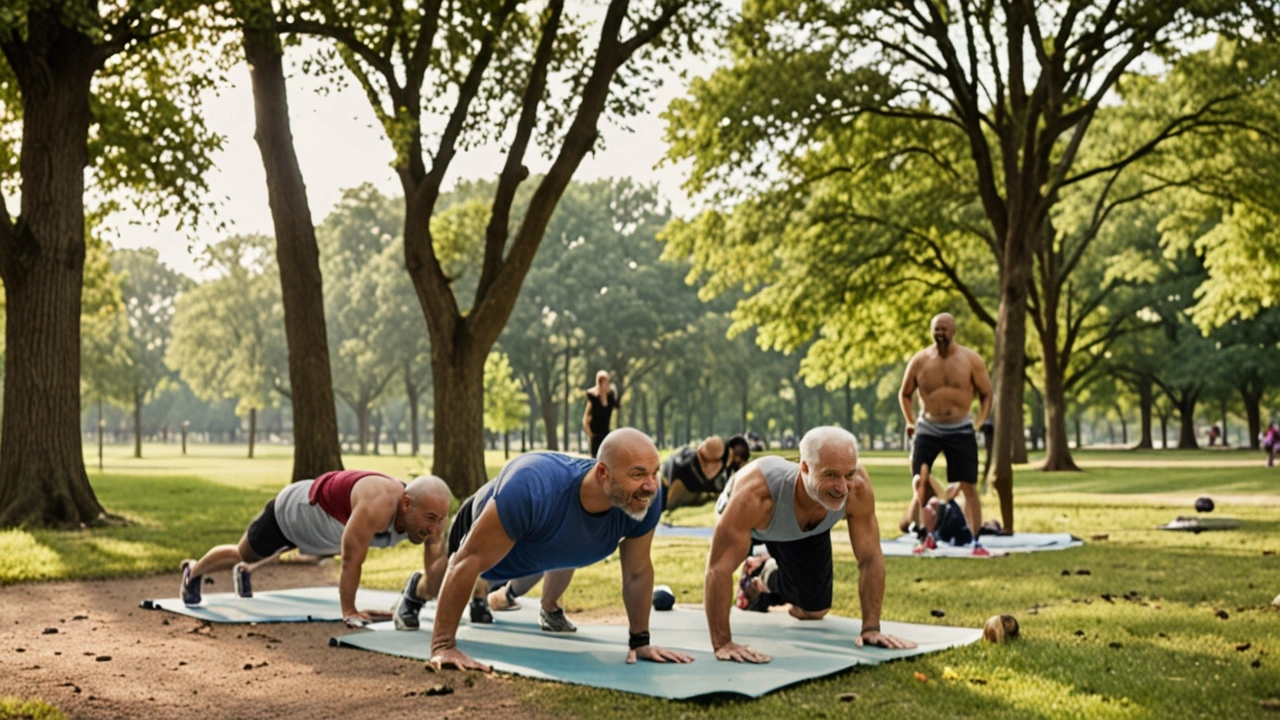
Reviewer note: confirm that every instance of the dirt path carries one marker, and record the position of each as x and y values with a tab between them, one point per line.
87	648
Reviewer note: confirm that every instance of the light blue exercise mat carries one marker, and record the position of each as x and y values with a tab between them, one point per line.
997	544
596	655
664	530
317	604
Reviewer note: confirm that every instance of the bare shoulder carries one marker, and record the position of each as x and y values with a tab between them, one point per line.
751	498
974	357
863	498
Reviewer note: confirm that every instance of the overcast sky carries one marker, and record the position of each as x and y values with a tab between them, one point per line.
340	145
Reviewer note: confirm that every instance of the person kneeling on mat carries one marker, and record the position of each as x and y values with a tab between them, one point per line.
344	512
791	509
548	511
940	519
689	474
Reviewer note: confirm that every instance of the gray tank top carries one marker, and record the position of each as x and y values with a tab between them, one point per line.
781	476
315	531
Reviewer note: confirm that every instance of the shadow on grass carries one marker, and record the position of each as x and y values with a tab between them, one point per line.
170	519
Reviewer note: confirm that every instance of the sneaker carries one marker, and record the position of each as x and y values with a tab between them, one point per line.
979	551
240	578
927	545
555	621
480	611
190	588
506	600
405	614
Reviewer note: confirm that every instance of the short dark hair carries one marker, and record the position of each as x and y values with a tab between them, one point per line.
739	441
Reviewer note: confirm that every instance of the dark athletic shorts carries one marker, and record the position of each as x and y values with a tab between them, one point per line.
804	575
960	449
462	523
265	535
952	527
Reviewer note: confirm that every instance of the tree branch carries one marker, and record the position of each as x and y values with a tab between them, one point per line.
514	172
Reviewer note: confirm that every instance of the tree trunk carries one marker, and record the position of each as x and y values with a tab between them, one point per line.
1124	427
1222	406
662	421
1253	413
1187	425
1011	332
412	393
1164	431
362	426
253	429
377	432
459	421
547	408
137	424
42	475
1057	456
568	389
316	445
1079	435
1145	401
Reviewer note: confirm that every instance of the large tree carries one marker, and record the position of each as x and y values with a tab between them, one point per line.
528	78
97	86
1018	83
316	445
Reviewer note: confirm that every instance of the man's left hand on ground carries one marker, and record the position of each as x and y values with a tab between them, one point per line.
878	639
653	653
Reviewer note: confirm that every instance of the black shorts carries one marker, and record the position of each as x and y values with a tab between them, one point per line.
462	523
960	449
595	443
952	526
264	533
804	576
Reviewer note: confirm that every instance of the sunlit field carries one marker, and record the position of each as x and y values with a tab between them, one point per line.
1138	623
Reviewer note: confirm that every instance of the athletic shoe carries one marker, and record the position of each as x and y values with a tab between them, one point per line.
927	545
555	621
190	588
240	578
979	551
405	614
480	611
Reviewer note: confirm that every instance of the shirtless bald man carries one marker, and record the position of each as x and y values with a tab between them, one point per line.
948	376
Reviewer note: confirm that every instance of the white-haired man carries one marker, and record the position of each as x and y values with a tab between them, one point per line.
549	512
791	509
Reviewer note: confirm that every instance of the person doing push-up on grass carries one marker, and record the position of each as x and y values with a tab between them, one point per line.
344	512
548	511
791	509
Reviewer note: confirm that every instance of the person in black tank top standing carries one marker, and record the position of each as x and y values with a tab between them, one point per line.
602	401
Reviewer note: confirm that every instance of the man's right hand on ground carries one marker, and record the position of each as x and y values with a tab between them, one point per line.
455	658
740	653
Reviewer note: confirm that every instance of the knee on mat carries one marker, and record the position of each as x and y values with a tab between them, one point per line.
800	614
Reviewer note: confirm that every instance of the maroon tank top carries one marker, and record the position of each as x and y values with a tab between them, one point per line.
332	492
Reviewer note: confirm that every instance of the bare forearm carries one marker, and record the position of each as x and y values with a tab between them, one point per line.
717	596
908	410
637	592
459	580
349	583
871	590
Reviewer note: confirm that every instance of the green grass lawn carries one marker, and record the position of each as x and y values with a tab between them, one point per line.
1139	636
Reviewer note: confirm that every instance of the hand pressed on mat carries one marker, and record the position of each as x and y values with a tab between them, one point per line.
740	653
653	653
875	638
455	658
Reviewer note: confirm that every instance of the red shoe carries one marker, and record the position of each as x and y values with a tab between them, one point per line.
928	544
979	551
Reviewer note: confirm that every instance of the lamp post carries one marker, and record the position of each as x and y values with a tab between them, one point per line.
185	424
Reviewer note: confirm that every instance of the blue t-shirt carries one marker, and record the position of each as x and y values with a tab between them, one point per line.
539	506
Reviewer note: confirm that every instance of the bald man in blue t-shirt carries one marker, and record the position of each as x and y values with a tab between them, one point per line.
549	511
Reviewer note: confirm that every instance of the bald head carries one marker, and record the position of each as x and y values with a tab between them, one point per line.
622	446
428	486
424	509
943	329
